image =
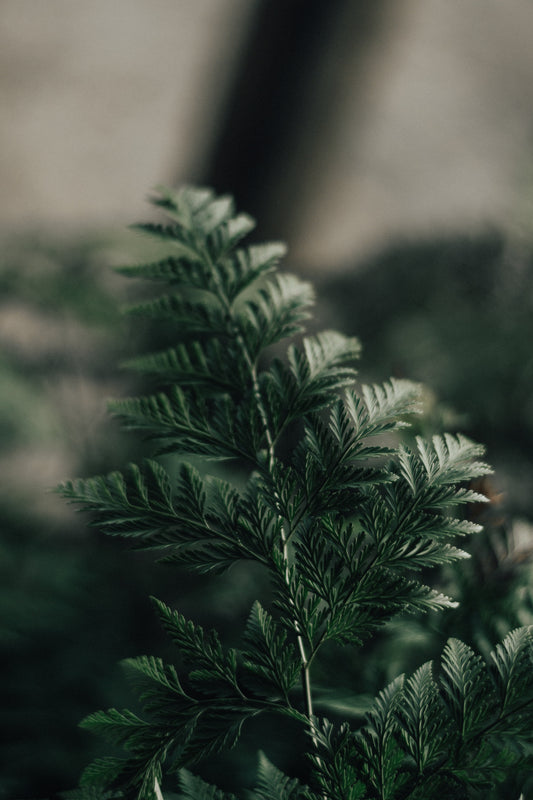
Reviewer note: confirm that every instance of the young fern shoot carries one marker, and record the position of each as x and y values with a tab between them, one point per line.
346	523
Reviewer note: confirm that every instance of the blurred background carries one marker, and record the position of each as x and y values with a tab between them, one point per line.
389	143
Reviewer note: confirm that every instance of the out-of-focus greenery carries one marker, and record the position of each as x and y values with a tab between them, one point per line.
457	315
72	604
221	396
56	322
453	314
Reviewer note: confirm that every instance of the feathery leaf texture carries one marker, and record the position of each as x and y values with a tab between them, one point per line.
425	738
269	656
194	788
346	522
272	784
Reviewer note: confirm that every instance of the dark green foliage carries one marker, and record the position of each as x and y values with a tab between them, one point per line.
347	524
433	736
455	312
60	342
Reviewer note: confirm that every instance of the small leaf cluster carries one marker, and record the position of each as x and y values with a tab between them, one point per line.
346	523
445	732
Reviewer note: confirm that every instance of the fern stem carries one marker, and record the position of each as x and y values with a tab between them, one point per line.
306	661
270	442
157	790
306	677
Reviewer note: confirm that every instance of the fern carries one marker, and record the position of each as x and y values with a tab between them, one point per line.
347	523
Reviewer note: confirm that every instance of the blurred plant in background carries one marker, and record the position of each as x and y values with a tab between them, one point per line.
58	328
72	605
208	530
325	139
456	314
453	314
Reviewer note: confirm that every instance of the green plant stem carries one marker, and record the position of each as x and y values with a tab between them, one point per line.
157	790
306	662
306	677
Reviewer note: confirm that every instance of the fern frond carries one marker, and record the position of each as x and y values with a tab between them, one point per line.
198	215
102	773
269	657
451	459
311	376
383	407
235	273
138	503
214	429
513	661
248	265
378	741
276	312
428	734
214	669
422	720
182	725
355	593
172	270
336	772
183	246
213	366
201	522
189	316
192	206
272	784
193	787
466	684
344	521
407	518
157	685
118	727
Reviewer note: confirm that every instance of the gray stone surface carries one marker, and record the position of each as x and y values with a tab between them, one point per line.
439	139
103	100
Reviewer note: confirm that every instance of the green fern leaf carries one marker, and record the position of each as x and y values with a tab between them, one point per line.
276	311
345	535
451	459
91	793
272	784
189	425
188	273
189	316
423	720
378	742
101	773
183	246
202	523
194	788
157	685
118	727
213	366
337	773
269	657
246	266
513	660
467	687
385	406
214	669
311	376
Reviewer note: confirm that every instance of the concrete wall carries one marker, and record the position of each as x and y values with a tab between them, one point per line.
103	100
